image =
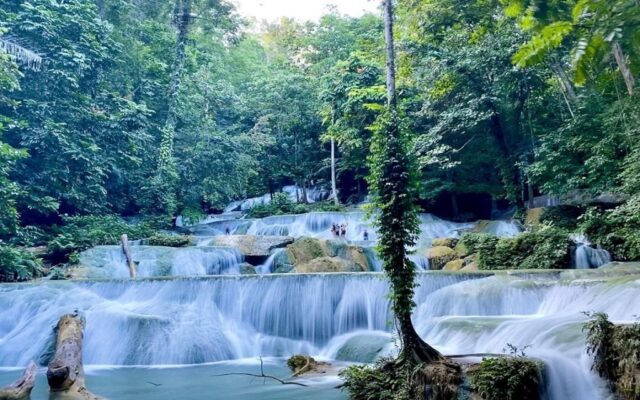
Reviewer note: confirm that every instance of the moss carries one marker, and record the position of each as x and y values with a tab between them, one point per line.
446	242
616	354
169	240
299	364
455	265
509	378
306	249
440	256
533	216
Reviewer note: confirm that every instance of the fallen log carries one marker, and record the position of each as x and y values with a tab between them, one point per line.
21	389
65	373
133	273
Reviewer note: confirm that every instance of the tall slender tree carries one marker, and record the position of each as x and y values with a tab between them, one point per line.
393	181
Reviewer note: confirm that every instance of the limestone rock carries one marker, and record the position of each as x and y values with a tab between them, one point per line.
446	242
439	256
455	265
308	255
253	246
328	264
473	267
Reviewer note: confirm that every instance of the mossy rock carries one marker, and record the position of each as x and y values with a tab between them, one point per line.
446	242
328	264
462	250
439	256
533	216
473	267
247	269
309	255
455	265
169	240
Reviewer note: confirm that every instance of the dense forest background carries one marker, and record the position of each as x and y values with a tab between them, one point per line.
147	107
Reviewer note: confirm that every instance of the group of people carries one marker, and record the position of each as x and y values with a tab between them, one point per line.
339	230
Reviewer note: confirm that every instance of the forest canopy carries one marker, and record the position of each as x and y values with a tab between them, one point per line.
142	107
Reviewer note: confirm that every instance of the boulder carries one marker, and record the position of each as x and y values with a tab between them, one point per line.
473	267
455	265
247	269
328	264
256	249
315	255
446	242
439	256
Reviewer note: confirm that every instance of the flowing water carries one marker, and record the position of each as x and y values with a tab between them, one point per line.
340	316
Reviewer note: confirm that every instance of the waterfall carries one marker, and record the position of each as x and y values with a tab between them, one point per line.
109	261
199	320
586	256
314	195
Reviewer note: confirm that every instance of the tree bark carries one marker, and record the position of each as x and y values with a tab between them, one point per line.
133	273
334	187
414	350
623	66
21	389
65	373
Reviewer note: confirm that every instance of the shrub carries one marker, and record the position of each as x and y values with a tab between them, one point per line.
508	378
81	233
564	217
617	230
548	248
18	265
29	236
281	205
616	354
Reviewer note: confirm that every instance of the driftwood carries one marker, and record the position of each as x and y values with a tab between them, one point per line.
133	273
65	373
262	375
21	389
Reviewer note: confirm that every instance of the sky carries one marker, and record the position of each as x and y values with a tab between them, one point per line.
302	10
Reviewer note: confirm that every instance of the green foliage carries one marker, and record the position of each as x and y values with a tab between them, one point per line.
165	240
616	353
563	217
616	230
81	233
548	248
507	378
282	205
383	382
18	265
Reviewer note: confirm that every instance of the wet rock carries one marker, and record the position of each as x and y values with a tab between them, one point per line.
439	256
446	242
253	246
328	264
454	266
315	255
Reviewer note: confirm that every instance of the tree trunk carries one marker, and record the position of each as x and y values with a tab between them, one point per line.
568	91
334	188
182	15
133	273
21	389
65	373
414	350
623	66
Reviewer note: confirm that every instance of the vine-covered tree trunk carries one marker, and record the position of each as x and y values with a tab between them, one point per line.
334	189
398	220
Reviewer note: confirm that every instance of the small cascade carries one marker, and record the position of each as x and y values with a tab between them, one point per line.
314	195
586	256
109	261
269	266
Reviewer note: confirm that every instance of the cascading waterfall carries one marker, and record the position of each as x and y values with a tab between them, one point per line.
110	262
186	321
314	194
586	256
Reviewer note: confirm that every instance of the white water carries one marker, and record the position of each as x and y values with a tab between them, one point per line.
587	256
193	321
314	194
110	262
